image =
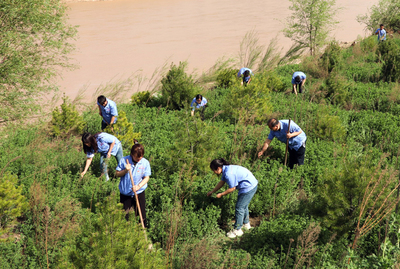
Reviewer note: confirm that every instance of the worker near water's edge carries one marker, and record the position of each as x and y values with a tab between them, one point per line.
298	79
381	32
141	171
102	143
246	73
241	179
107	110
297	140
199	102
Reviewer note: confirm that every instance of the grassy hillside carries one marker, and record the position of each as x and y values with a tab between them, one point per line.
336	211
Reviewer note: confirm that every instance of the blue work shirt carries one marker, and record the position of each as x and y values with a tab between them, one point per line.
203	103
242	70
298	73
294	142
381	34
109	111
104	140
239	177
139	171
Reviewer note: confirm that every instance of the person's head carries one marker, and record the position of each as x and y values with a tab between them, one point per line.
381	26
217	164
102	100
199	98
246	73
297	79
89	142
137	152
274	124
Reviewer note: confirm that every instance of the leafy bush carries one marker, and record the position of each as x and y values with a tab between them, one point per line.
66	121
141	98
227	78
12	203
178	88
123	130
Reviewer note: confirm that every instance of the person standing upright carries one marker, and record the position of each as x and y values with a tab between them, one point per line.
381	32
108	111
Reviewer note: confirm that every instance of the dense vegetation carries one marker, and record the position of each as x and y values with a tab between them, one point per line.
336	211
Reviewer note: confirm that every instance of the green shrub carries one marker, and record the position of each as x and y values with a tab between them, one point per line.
141	98
227	78
66	121
123	130
12	203
178	88
331	58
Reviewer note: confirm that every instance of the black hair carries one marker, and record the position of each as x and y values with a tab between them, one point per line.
381	24
101	99
272	122
90	139
246	73
199	96
218	163
297	79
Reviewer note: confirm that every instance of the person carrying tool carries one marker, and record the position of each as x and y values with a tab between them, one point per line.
246	73
199	102
381	32
295	137
108	111
241	179
141	171
102	143
298	79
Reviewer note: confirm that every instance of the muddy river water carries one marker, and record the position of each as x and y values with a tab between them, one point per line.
124	37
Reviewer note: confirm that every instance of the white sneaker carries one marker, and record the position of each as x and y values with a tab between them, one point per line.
247	226
234	233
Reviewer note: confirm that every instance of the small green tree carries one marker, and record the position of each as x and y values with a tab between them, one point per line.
310	23
107	240
34	44
67	120
178	88
386	12
123	130
12	203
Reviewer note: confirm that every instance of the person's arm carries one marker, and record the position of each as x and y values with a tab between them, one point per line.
303	82
122	173
294	88
88	162
110	149
265	147
290	135
248	82
219	186
377	31
228	191
192	112
141	184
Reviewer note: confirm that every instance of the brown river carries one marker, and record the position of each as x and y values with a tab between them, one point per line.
121	38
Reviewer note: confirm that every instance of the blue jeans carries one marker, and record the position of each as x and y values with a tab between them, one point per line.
242	208
103	164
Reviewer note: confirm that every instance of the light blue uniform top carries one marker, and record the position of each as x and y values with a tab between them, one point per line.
381	34
203	103
108	111
104	140
239	177
298	73
294	142
242	70
139	171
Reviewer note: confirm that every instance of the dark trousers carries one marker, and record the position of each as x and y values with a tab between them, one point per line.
130	203
103	125
296	157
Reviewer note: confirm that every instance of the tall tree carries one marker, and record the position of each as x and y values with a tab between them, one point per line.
386	12
34	44
310	23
